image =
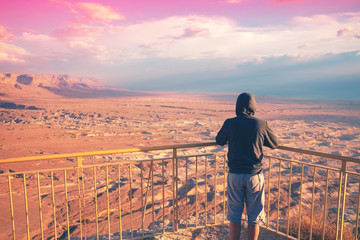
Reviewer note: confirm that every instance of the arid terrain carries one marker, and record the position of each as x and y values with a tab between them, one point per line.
38	119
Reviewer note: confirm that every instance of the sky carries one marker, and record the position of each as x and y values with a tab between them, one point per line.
284	48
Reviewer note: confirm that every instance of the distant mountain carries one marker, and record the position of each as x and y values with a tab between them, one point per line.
52	85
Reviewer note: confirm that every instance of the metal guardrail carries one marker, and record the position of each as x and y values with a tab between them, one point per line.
329	227
157	196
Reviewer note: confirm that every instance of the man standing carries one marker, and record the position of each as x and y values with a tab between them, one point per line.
246	136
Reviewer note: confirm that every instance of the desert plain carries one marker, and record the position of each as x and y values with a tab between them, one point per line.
36	120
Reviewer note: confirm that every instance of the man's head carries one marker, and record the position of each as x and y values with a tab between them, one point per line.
245	104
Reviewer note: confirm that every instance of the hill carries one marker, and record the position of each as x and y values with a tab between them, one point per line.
15	85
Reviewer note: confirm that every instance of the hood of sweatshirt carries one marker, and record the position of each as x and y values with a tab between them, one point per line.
245	104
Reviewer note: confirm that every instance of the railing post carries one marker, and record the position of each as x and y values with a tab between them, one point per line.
340	191
357	213
119	193
215	188
206	199
163	193
131	201
196	191
152	197
53	202
81	189
176	206
80	205
40	208
300	200
289	200
79	162
150	176
186	191
11	208
325	203
96	203
278	199
268	197
343	169
108	200
224	189
142	201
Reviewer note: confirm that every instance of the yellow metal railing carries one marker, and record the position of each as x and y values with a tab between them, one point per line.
80	195
343	222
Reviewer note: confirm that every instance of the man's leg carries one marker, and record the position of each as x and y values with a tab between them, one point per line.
235	230
255	202
235	194
253	232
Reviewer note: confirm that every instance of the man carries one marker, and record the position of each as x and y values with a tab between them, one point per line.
246	136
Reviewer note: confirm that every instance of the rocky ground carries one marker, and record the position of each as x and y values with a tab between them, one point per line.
42	127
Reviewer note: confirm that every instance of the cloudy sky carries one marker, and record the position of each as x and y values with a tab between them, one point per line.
284	48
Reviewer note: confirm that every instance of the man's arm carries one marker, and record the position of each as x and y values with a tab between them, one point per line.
270	140
221	137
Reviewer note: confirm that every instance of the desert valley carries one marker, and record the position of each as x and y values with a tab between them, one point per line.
57	114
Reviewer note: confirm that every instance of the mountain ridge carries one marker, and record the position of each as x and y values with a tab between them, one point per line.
57	85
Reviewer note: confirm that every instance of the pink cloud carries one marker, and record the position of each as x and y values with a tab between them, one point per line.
290	1
84	47
343	32
78	32
11	53
315	20
306	45
235	1
191	32
89	12
82	31
357	36
83	39
96	51
5	36
98	13
31	36
94	12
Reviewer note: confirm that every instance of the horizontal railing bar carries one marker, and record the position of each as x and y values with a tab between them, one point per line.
142	160
169	158
182	157
320	154
305	163
314	165
107	152
352	173
39	171
156	148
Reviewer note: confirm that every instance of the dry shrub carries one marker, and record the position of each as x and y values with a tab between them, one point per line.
317	229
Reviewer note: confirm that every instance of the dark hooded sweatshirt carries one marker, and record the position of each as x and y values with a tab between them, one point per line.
246	136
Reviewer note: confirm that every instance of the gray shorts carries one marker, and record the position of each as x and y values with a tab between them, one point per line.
248	189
